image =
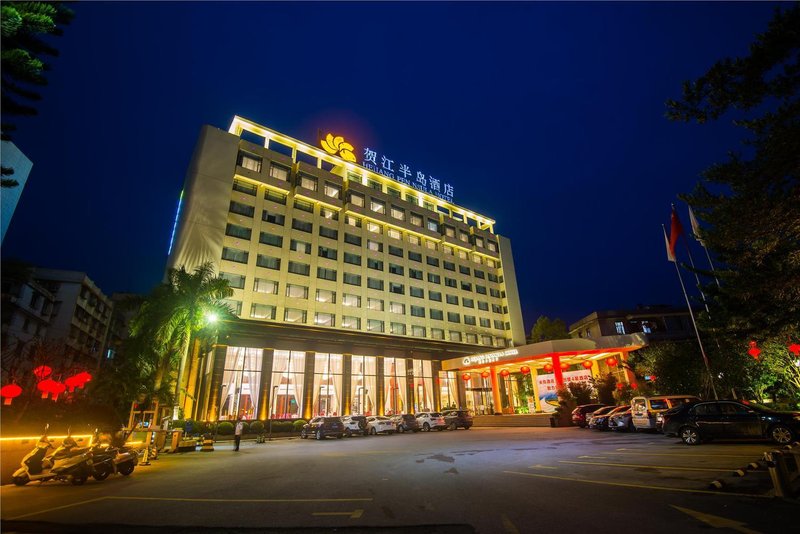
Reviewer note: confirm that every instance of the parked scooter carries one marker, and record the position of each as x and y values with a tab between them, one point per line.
114	457
67	463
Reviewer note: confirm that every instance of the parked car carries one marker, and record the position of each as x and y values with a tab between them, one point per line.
322	427
698	421
600	421
406	423
579	413
457	418
355	425
645	409
621	420
593	418
429	420
377	424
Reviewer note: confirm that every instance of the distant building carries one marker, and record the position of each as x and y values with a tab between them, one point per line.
27	307
659	322
12	158
118	331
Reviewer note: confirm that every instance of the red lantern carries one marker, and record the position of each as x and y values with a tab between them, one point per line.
587	364
58	389
73	382
794	348
754	350
548	367
46	386
83	377
505	372
466	377
564	366
525	370
612	362
42	372
619	386
634	385
10	392
485	374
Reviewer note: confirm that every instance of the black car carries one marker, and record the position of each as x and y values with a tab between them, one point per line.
457	418
322	427
599	421
698	421
579	414
406	423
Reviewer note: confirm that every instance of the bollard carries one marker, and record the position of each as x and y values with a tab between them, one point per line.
208	443
778	473
716	484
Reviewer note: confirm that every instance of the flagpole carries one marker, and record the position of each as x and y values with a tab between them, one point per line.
694	323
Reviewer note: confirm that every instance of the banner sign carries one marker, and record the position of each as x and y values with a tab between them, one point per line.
546	386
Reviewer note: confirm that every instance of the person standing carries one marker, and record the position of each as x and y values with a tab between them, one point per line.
237	434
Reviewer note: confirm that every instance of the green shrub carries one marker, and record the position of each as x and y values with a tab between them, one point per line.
225	428
297	426
176	424
256	427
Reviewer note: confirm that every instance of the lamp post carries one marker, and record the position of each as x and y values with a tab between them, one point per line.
272	408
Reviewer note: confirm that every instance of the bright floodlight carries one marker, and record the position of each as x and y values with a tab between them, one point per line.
212	318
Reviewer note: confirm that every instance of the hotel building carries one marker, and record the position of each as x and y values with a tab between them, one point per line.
356	292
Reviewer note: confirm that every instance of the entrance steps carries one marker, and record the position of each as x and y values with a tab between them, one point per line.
516	420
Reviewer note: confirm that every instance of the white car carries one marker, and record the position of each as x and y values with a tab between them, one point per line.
429	420
355	425
378	424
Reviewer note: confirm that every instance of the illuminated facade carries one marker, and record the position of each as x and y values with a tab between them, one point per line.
351	287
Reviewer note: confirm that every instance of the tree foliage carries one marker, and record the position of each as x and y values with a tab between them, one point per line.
546	329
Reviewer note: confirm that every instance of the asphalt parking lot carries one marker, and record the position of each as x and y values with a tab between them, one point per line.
484	480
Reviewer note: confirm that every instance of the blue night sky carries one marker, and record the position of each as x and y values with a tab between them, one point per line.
547	117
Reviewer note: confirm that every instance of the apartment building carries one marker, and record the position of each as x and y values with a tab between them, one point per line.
659	322
351	286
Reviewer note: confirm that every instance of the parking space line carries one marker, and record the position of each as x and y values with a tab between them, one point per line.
37	512
355	514
674	468
260	501
683	454
638	486
540	466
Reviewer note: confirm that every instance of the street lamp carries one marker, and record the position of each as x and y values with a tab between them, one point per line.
272	408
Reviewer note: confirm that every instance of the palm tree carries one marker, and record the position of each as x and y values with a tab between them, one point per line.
171	318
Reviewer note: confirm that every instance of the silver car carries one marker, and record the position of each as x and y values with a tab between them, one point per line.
430	420
377	424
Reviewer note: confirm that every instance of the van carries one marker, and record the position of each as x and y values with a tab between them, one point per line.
645	409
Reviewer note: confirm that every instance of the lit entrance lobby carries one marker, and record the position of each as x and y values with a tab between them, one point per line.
524	380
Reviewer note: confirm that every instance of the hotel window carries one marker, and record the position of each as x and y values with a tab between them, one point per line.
274	218
477	259
428	205
480	289
375	264
494	292
396	269
398	213
496	308
415	274
236	281
353	177
468	319
363	385
483	306
452	299
375	185
299	268
417	292
463	270
262	311
491	263
466	286
356	199
241	379
328	213
412	198
449	265
352	279
375	246
394	233
493	278
431	244
413	239
463	236
432	261
455	336
485	323
332	190
330	233
352	221
375	283
415	219
434	278
348	321
350	300
279	172
620	327
326	274
479	274
293	315
296	292
325	252
304	205
417	331
353	259
233	254
234	305
307	182
326	295
397	328
374	325
398	289
472	339
392	192
378	206
242	209
249	161
433	226
271	239
447	250
244	187
498	324
491	245
437	315
303	226
435	295
300	246
327	390
449	231
352	239
397	307
437	333
324	319
375	304
287	374
479	241
423	385
238	231
414	256
395	251
374	228
450	282
418	311
262	285
275	196
468	303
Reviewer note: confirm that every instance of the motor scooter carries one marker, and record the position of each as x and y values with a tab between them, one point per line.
113	457
67	463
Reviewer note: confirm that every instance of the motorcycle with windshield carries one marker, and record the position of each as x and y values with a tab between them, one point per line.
68	462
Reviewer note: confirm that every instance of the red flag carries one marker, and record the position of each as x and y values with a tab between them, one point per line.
675	231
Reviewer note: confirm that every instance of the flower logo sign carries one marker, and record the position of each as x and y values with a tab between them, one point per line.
337	146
